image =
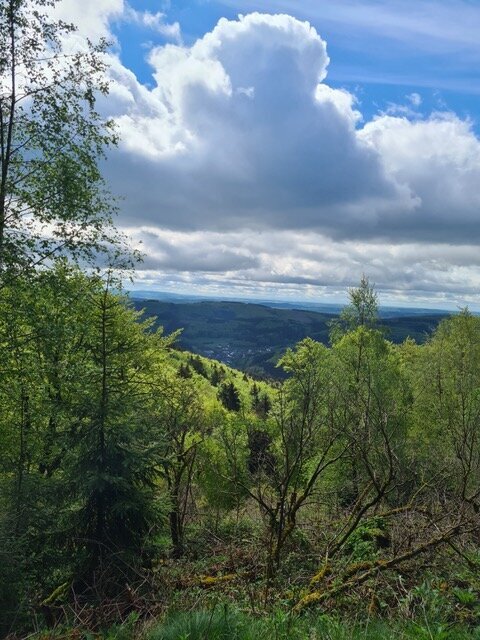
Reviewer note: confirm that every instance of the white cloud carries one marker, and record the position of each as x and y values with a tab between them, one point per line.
296	264
409	110
415	99
92	17
288	156
155	21
439	160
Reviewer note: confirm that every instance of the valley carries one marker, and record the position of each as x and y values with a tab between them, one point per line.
252	337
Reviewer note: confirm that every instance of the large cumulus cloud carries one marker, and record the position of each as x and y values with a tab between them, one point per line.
244	133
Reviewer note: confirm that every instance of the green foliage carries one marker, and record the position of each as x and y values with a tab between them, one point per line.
466	597
361	312
78	465
225	624
218	374
184	371
180	423
229	396
217	624
197	365
447	410
362	470
261	403
223	456
113	470
427	603
53	199
366	540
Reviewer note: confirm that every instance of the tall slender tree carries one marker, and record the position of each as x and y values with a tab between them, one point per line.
362	310
52	196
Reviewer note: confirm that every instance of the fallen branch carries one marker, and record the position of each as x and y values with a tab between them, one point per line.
374	568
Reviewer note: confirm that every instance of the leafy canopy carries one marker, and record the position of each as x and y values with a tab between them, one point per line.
53	199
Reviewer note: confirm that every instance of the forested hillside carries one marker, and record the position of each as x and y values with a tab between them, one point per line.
253	337
138	479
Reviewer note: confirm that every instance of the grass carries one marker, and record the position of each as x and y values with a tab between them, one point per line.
225	624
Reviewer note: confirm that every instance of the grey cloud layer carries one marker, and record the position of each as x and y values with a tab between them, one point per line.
192	253
301	261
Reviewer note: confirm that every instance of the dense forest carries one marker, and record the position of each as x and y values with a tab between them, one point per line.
149	492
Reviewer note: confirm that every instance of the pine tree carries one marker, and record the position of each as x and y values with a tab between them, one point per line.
113	462
229	396
184	371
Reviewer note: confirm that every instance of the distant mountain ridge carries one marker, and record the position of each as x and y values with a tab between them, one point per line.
252	337
321	307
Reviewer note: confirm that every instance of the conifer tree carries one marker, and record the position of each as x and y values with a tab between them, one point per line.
113	469
229	396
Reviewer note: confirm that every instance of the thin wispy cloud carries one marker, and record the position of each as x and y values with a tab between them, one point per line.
354	73
430	25
155	21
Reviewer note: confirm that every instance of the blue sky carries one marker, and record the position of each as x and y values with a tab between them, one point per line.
281	149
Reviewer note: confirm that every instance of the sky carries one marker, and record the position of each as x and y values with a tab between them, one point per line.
281	149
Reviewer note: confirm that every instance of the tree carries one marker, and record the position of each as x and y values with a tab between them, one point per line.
217	375
410	419
22	487
52	196
197	365
260	457
308	441
40	376
77	463
184	371
112	472
362	311
229	396
261	404
371	412
282	463
447	385
180	421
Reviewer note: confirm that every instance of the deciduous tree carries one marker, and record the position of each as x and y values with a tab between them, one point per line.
53	198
